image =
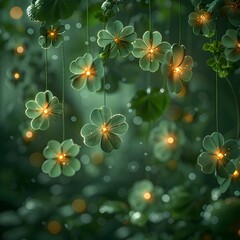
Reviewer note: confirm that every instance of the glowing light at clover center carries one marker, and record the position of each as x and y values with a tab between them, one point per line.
62	159
16	75
235	174
20	49
87	72
147	196
104	129
203	18
238	45
116	39
177	70
52	33
220	155
170	140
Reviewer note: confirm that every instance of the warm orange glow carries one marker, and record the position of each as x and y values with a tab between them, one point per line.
203	18
79	205
62	159
238	45
104	128
220	155
46	111
87	72
52	34
16	75
170	140
235	175
54	227
147	196
16	12
29	134
20	49
116	39
238	232
177	70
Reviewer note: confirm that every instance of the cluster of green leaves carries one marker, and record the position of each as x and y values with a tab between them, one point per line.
218	62
221	158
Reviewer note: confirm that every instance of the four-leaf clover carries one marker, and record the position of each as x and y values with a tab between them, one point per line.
151	50
202	23
118	38
61	158
176	68
51	35
219	155
231	42
104	129
88	71
44	107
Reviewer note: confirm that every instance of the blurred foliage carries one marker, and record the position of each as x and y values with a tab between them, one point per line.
93	204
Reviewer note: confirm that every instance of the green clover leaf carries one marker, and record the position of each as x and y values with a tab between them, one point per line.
219	155
119	39
150	105
104	129
176	68
61	158
87	72
151	50
42	109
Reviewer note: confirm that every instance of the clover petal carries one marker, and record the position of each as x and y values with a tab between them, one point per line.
104	129
212	142
178	54
110	142
68	171
100	116
118	124
40	123
60	158
91	134
207	162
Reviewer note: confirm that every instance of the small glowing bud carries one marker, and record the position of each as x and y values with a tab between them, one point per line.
238	45
147	196
170	140
235	174
29	134
104	129
62	158
16	75
116	40
20	49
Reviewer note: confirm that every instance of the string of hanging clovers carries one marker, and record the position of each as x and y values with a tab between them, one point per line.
221	157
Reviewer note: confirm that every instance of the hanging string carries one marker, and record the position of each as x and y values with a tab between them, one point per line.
180	22
88	42
216	77
150	15
63	93
46	69
104	90
236	106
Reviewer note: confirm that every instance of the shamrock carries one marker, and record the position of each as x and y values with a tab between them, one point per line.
232	10
16	76
105	129
219	155
176	68
143	194
167	140
44	107
150	49
116	39
202	22
51	35
88	71
61	157
231	42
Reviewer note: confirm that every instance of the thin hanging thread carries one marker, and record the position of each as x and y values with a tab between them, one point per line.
236	106
46	69
104	78
63	93
216	77
150	15
88	42
180	22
